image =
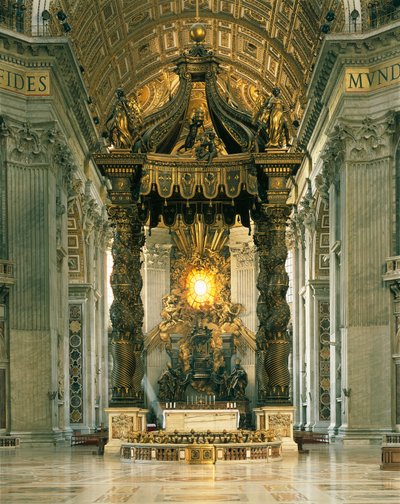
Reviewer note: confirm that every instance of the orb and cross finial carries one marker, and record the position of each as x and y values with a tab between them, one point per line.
197	30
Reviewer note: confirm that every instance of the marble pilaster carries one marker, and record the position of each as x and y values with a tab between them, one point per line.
362	150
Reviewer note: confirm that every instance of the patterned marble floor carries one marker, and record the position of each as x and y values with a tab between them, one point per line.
326	475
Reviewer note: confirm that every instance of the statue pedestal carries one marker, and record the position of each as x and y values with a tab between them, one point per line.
122	421
280	420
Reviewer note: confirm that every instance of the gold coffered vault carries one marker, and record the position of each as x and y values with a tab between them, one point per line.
203	163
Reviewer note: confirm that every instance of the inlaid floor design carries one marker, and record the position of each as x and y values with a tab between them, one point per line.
326	475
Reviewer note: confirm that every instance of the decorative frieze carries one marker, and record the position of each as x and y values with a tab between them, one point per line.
324	360
295	231
363	141
76	364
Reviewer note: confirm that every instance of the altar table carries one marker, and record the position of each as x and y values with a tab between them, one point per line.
201	420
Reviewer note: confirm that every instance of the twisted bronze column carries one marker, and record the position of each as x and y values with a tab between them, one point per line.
127	309
273	345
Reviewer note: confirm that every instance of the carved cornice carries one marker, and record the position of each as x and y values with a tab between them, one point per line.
53	53
244	255
157	256
63	157
90	212
320	288
307	212
295	231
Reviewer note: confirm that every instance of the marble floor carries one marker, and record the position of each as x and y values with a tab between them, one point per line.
327	474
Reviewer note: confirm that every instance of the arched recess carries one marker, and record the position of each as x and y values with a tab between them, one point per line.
77	277
76	245
321	241
322	309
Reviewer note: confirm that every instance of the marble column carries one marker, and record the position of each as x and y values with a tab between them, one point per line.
156	280
392	279
7	279
335	304
295	242
244	271
102	243
273	345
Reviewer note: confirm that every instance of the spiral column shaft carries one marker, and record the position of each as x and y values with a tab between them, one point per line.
273	345
126	311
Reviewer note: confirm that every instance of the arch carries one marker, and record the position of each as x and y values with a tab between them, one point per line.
76	245
320	260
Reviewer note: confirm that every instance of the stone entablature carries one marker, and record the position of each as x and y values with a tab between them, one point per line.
28	69
373	55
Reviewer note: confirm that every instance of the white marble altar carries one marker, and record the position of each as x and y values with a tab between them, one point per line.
201	420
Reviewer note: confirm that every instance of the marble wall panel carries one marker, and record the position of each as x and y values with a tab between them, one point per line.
369	380
30	377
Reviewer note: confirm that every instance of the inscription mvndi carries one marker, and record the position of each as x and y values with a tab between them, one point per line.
371	78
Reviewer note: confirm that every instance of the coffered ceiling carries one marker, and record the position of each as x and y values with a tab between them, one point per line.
133	44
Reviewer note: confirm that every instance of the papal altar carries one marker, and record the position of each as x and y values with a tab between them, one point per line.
199	167
216	420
